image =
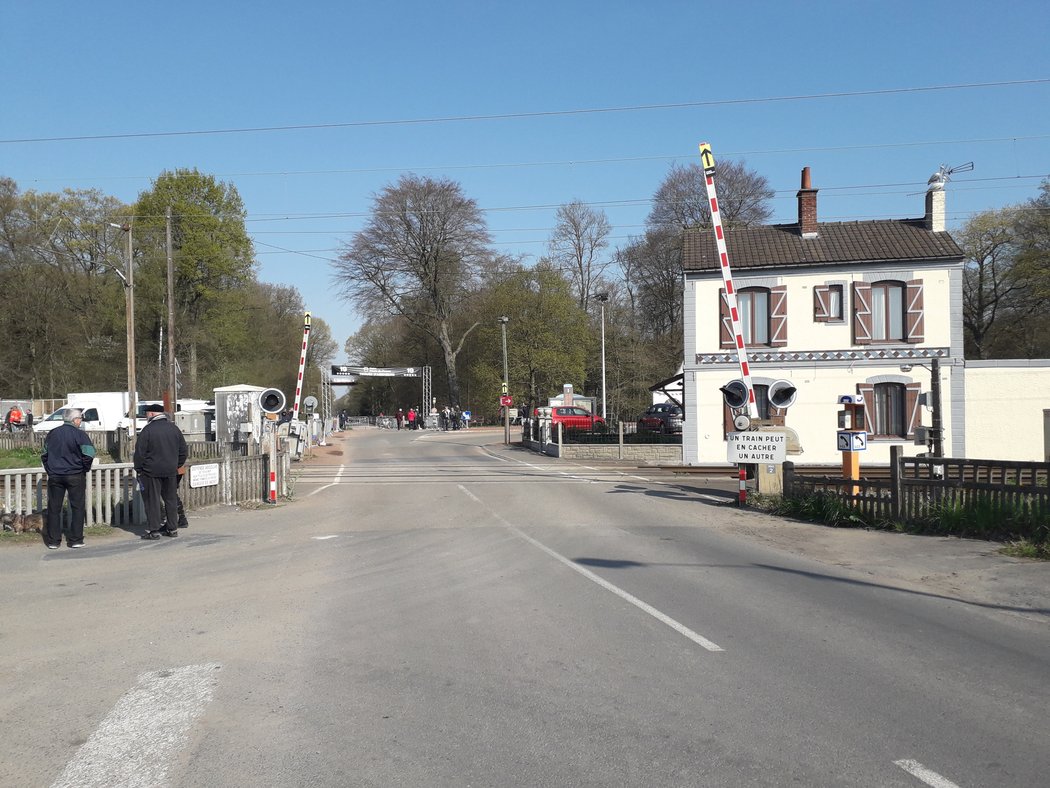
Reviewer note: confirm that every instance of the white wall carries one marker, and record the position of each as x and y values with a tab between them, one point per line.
1004	409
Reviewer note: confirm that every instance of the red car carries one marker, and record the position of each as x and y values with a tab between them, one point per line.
576	419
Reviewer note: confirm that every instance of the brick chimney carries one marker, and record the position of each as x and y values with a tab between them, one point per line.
935	210
807	207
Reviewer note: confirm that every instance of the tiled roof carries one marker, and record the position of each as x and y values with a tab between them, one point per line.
776	245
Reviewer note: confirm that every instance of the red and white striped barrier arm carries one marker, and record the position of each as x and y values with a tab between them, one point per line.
302	369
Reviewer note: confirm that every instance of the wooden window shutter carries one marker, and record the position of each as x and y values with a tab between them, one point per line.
727	421
861	313
821	304
912	410
914	322
778	316
725	322
868	390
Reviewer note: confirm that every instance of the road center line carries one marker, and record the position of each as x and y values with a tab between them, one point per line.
682	629
931	778
137	742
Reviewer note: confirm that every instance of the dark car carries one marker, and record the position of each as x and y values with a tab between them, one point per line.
665	418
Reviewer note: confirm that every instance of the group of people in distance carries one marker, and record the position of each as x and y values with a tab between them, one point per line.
449	418
160	461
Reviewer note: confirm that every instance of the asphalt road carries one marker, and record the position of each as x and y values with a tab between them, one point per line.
434	609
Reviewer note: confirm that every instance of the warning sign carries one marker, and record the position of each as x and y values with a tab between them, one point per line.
707	158
750	447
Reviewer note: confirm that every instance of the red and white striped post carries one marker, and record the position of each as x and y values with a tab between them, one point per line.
273	462
302	369
707	159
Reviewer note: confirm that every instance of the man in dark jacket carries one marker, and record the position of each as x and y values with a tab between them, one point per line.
68	454
159	453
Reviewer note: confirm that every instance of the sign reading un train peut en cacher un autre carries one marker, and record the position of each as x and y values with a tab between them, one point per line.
750	447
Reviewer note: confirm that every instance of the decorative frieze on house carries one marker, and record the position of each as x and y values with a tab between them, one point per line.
884	354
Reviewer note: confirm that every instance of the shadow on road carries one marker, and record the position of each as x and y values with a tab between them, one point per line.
613	563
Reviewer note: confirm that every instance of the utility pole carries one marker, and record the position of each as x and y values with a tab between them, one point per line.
602	298
506	409
129	309
172	382
935	391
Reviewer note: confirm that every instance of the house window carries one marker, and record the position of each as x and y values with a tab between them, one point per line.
890	418
827	304
835	302
754	315
887	312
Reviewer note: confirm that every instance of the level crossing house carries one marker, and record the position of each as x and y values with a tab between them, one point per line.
835	308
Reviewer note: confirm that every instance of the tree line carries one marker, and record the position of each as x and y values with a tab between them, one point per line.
63	273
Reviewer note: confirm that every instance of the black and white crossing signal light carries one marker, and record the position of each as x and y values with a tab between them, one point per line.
735	394
271	400
782	393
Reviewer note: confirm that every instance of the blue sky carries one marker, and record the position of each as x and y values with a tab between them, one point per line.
79	69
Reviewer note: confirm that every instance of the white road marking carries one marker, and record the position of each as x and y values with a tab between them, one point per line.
322	538
682	629
137	742
338	476
931	778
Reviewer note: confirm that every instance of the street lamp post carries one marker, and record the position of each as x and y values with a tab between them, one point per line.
602	298
503	320
129	295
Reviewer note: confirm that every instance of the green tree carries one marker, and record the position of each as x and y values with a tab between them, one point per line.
548	338
213	260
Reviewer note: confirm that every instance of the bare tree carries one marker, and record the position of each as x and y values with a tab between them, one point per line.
579	237
652	271
989	281
420	256
681	201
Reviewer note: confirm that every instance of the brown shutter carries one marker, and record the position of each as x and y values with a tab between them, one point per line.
725	322
821	304
868	390
912	412
778	316
861	313
914	323
727	421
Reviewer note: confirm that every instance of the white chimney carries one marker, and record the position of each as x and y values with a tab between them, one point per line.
935	209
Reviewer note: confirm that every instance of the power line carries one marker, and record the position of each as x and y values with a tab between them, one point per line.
524	115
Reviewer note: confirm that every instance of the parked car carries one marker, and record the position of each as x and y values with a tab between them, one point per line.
665	418
575	418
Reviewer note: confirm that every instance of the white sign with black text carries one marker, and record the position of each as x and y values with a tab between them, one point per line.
752	447
204	475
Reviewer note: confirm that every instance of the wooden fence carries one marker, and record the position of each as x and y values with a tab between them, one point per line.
112	496
919	487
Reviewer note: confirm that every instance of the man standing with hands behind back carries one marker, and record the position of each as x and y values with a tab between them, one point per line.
159	453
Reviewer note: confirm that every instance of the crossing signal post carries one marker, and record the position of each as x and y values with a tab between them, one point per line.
707	160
